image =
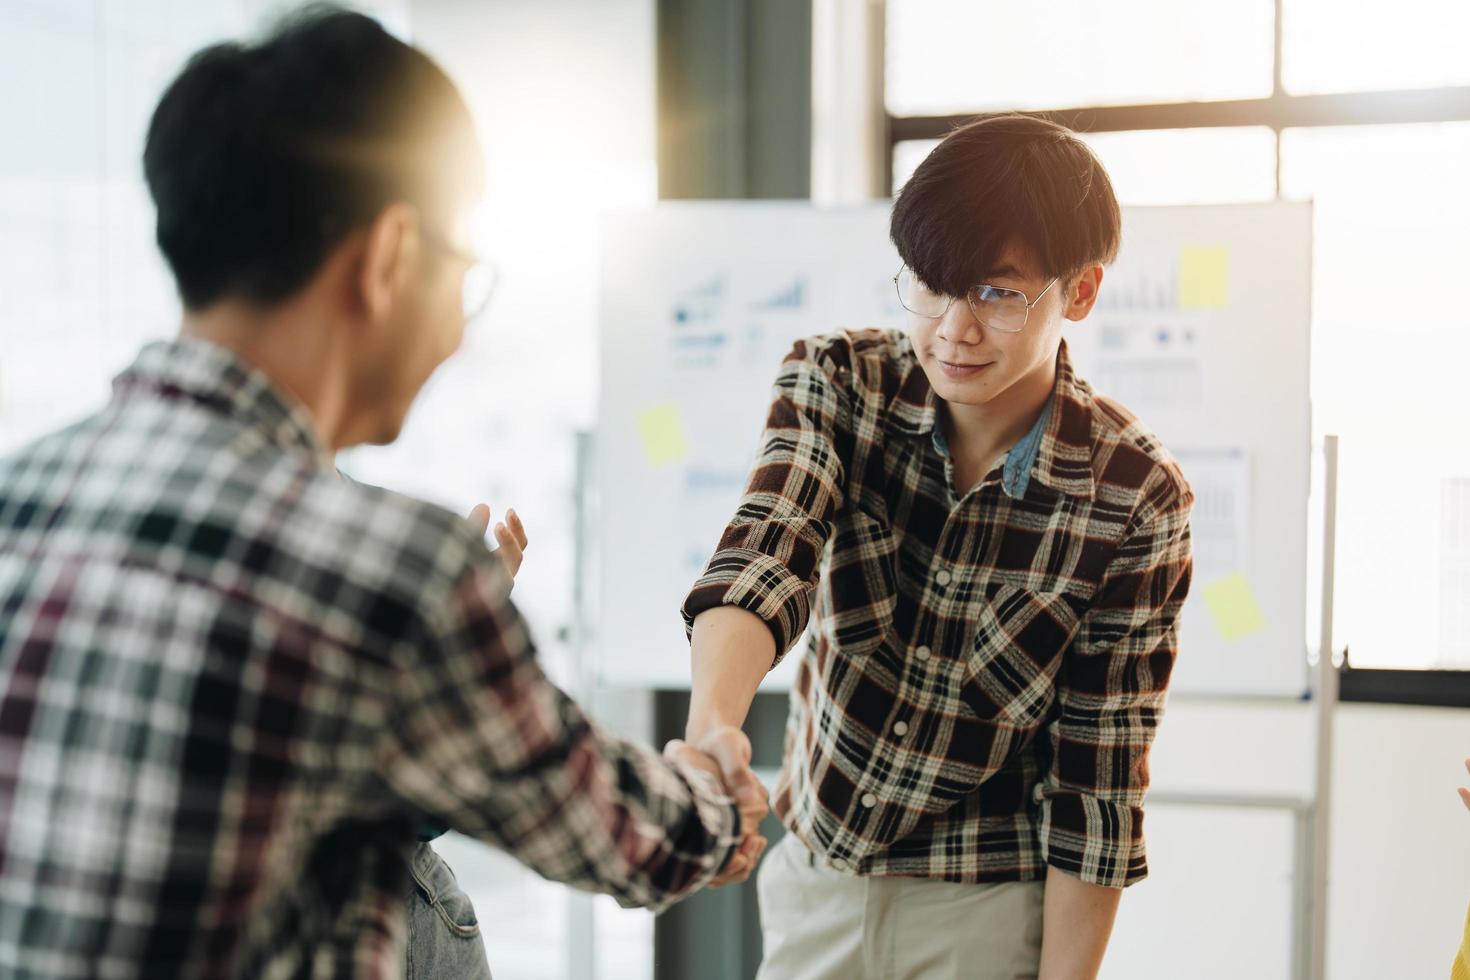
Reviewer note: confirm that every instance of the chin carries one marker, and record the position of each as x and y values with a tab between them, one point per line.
386	432
387	436
958	392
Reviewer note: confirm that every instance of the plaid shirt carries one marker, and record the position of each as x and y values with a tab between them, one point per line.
986	670
232	685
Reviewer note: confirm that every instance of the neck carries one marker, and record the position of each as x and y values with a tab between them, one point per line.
984	432
289	345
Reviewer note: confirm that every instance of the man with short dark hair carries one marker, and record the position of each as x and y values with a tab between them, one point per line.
234	686
998	555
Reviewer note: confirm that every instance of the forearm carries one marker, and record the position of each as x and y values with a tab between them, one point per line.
731	651
1078	920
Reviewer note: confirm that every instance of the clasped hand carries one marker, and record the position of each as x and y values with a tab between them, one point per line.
725	753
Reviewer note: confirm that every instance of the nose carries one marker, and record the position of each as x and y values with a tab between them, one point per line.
959	325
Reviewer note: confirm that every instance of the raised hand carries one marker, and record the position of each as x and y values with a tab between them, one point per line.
511	535
725	752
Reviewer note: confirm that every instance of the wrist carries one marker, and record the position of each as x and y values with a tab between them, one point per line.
703	723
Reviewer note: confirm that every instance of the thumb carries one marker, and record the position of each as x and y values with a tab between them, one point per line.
479	518
731	749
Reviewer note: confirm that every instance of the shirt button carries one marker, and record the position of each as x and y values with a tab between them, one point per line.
942	577
923	653
900	728
869	800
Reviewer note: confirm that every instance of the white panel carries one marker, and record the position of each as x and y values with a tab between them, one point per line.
1399	871
1217	902
700	302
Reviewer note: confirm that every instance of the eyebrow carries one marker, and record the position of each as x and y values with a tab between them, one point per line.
1004	272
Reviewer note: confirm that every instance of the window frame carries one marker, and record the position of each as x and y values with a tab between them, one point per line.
1278	112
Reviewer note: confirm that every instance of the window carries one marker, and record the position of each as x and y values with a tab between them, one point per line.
1389	344
1363	45
1163	166
1189	166
957	56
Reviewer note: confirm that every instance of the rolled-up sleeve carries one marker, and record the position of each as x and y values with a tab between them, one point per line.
769	557
1111	696
481	740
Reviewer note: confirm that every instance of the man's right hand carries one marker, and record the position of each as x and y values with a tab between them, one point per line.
725	753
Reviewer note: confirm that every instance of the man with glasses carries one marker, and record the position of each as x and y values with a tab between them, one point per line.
991	558
236	691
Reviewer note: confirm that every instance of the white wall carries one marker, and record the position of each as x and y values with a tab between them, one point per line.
1217	904
1400	866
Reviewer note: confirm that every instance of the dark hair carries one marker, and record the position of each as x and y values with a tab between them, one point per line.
263	157
1001	179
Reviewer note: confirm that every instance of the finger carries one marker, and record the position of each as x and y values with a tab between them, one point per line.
738	866
1465	797
510	551
732	875
1467	765
677	750
514	520
480	518
753	797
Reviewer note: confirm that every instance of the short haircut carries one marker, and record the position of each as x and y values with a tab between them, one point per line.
261	158
1005	179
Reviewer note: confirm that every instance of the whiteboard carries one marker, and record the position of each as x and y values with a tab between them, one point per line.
1201	328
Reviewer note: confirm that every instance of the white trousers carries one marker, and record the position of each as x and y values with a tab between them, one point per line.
820	924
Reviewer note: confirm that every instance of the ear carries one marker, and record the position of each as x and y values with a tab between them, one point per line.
390	247
1084	293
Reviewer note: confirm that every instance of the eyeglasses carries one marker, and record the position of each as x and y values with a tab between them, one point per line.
997	307
480	277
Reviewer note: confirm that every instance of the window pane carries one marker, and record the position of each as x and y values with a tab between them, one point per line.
906	159
1170	166
1189	166
1390	340
954	56
1355	45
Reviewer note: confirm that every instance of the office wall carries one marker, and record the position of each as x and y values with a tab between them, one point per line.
1399	872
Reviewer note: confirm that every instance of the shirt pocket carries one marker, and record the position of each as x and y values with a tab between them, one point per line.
861	583
1016	652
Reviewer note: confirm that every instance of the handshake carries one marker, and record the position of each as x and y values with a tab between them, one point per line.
724	753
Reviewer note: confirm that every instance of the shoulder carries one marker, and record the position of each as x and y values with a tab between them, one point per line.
1131	462
388	560
429	542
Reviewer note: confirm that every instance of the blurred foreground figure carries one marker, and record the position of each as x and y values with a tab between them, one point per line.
234	687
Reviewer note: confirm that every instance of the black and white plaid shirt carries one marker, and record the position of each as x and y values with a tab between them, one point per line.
232	685
988	667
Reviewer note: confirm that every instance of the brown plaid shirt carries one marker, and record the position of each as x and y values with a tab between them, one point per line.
986	671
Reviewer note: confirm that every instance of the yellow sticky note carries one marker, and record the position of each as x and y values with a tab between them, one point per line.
1234	608
663	435
1204	278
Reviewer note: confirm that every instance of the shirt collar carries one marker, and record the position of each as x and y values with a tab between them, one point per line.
1057	451
216	378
